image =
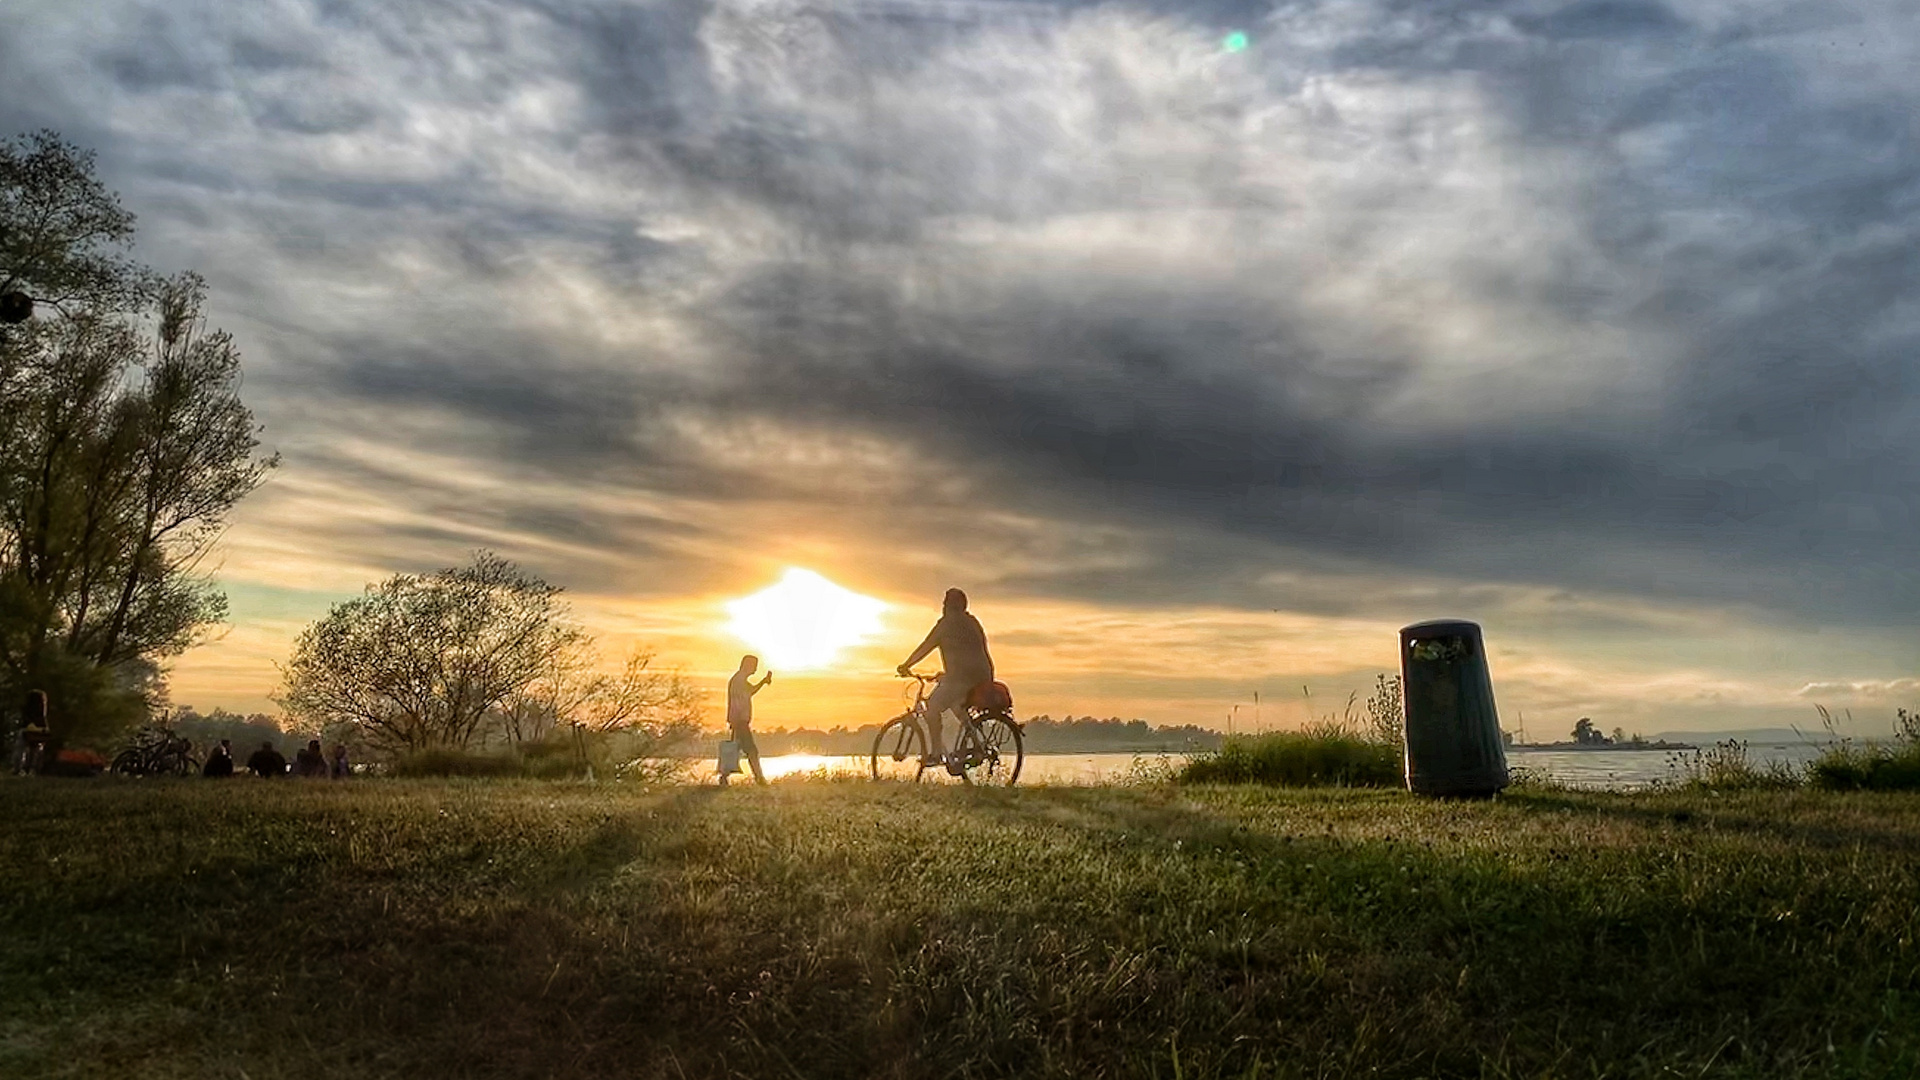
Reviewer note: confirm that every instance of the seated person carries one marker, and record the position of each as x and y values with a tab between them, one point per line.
267	761
220	761
310	761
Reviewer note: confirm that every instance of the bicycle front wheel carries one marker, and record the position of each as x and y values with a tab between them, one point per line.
900	751
128	763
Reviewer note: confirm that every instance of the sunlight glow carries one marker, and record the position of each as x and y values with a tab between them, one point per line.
803	622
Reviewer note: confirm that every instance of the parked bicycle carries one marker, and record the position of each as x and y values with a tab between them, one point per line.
988	744
156	751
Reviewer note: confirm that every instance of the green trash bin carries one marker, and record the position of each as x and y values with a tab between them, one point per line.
1452	731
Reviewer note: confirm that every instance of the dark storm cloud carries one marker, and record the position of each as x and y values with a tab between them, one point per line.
1686	367
1780	449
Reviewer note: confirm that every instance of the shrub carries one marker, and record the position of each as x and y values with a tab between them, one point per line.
445	762
1321	758
1844	766
557	757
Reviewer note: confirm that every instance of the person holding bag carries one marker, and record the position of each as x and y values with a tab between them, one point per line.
740	691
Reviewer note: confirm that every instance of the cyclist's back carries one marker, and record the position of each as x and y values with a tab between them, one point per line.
962	642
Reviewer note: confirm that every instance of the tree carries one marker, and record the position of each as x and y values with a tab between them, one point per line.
124	445
611	720
641	699
421	660
1586	734
62	233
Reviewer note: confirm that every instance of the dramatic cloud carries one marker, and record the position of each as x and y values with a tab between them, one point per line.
1595	321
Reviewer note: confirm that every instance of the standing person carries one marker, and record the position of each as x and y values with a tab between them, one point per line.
220	762
341	770
740	691
962	642
34	733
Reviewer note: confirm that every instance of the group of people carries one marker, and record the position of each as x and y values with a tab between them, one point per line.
967	665
268	762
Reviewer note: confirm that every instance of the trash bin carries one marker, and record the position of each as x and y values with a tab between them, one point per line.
1452	730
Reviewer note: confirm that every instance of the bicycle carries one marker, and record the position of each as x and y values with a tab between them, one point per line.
156	751
988	744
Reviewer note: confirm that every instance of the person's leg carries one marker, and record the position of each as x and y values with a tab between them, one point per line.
948	693
752	751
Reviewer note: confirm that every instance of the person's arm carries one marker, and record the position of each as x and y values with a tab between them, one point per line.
927	646
755	688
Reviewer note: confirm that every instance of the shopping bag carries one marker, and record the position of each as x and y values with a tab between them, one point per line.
729	757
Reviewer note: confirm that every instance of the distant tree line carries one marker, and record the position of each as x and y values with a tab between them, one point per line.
1044	735
1071	734
124	446
246	732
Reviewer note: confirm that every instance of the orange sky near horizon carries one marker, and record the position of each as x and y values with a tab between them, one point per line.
1192	665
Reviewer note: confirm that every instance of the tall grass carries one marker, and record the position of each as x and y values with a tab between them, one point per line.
1316	758
1850	766
1727	766
1356	747
1844	765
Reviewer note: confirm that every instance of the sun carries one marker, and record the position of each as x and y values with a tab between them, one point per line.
804	621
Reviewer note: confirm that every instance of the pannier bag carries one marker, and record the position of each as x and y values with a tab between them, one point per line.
991	697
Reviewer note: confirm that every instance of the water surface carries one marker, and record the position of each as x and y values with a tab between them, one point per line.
1620	770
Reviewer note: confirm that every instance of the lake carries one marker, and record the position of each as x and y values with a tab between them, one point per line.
1622	770
1626	770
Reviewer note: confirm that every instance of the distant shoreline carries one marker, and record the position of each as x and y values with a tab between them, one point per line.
1587	747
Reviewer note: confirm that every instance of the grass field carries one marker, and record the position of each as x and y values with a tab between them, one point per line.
520	929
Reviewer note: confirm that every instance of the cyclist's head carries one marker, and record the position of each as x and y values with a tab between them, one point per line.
955	601
749	663
36	706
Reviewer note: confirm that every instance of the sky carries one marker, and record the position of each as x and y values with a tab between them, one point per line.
1202	368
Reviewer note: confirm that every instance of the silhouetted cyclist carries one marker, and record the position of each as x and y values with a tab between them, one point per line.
962	642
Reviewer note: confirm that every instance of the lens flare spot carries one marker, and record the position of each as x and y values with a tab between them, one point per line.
1235	42
804	621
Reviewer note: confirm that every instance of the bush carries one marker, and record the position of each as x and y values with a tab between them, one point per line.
1846	767
444	762
1296	759
554	758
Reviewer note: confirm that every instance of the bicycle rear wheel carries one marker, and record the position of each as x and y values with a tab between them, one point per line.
1000	751
128	763
899	751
